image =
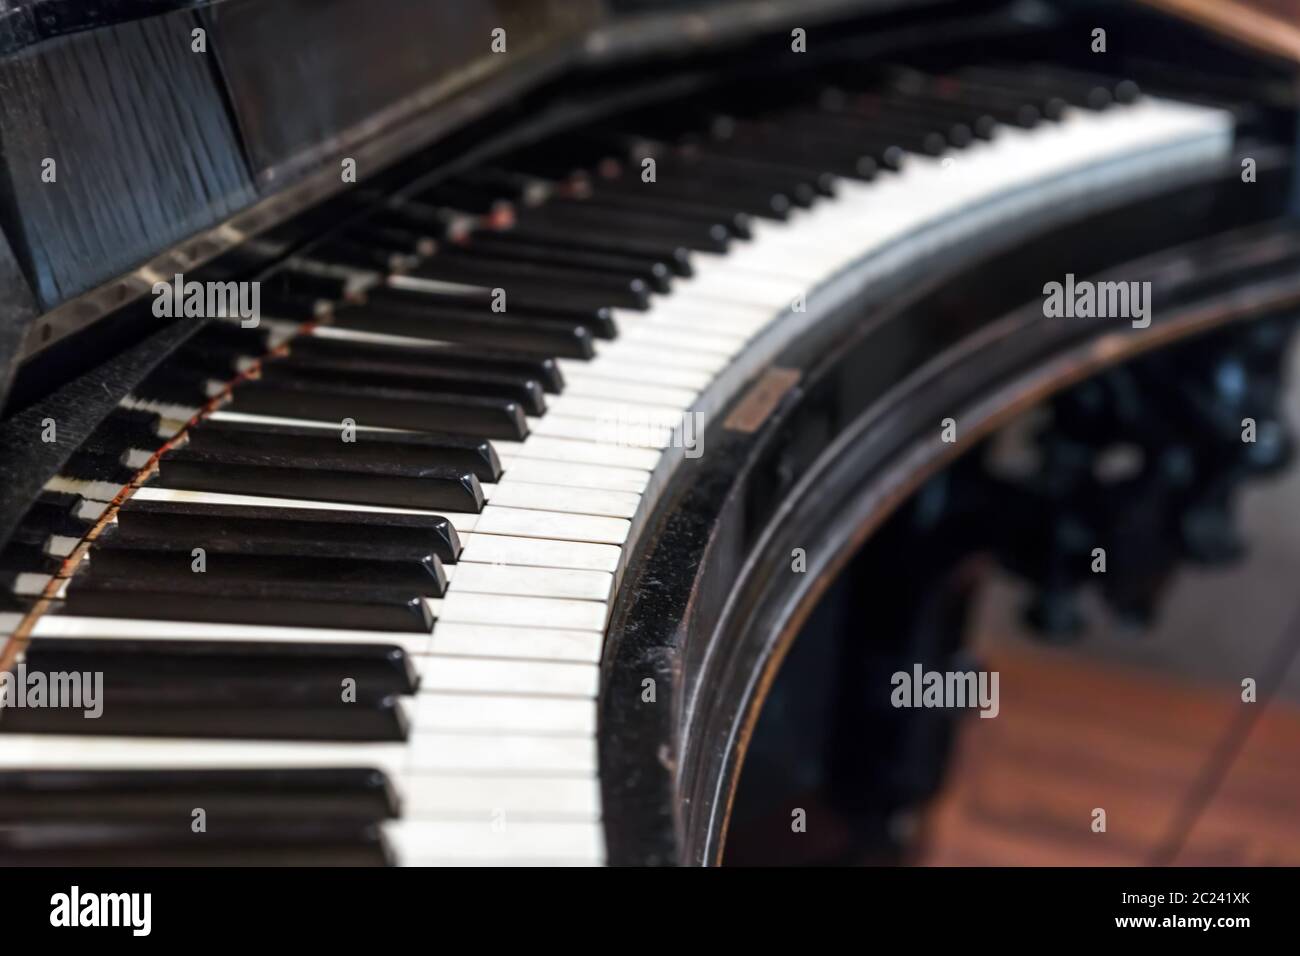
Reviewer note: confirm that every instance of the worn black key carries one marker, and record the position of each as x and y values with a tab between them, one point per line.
608	239
300	285
354	607
354	793
385	407
706	237
363	534
467	326
454	264
527	282
86	466
437	357
175	388
26	568
431	221
526	392
474	455
423	575
271	666
534	300
329	476
53	513
493	246
697	199
171	843
222	711
405	241
357	255
123	429
1024	109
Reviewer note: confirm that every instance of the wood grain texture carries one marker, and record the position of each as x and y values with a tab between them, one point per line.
1073	736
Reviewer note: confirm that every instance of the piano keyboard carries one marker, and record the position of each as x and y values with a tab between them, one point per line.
459	559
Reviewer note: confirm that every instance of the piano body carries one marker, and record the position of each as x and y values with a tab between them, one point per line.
427	426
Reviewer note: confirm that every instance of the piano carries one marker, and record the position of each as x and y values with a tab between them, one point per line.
427	426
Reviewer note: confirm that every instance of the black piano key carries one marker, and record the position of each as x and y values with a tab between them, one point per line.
517	187
86	466
311	531
681	205
705	237
404	241
358	255
355	793
293	307
1079	87
141	714
385	407
216	601
25	567
1024	109
461	194
526	284
326	476
379	670
981	122
609	239
299	285
809	164
415	356
492	246
702	200
527	392
53	513
432	221
177	388
171	843
560	339
123	429
401	449
456	264
423	575
524	300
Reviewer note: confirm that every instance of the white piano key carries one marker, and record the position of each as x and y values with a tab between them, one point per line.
527	523
529	581
516	611
604	409
630	431
578	451
504	753
536	643
612	389
609	369
447	796
604	477
429	842
513	493
502	713
488	675
537	552
104	491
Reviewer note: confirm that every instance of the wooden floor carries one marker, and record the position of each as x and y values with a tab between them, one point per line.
1073	736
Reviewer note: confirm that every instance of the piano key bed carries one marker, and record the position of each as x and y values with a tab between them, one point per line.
353	599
